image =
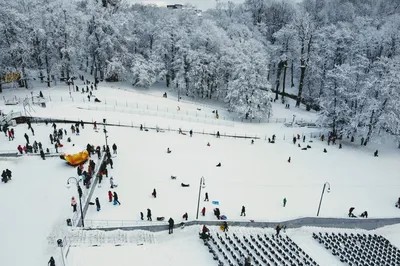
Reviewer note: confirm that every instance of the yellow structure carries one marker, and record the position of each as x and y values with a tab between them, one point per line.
77	158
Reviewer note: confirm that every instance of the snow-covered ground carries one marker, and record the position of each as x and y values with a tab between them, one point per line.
258	176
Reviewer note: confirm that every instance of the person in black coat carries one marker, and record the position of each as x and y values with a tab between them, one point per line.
4	177
171	226
226	227
42	154
114	147
243	212
27	138
98	204
51	262
149	215
185	216
154	193
206	198
141	216
116	198
8	173
110	161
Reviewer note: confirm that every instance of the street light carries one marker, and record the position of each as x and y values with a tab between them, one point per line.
105	131
322	195
60	244
202	185
80	196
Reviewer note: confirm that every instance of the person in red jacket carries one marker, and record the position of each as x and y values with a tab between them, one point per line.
19	149
110	196
203	211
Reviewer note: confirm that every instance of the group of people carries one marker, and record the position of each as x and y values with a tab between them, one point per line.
6	175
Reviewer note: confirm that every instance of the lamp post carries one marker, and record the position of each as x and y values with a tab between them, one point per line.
202	184
105	131
322	195
78	187
61	245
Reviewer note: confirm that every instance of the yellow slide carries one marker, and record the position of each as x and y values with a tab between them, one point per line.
77	158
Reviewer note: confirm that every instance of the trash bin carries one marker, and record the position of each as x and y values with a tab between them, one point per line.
69	222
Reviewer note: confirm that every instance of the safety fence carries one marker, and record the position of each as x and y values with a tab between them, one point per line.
134	107
349	223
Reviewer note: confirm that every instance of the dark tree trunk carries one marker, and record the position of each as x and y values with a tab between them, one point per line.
301	82
278	79
291	74
284	80
269	71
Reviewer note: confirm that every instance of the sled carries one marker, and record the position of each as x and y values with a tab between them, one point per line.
222	227
223	217
215	202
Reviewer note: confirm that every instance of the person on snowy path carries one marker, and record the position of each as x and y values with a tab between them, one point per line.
116	199
111	182
364	214
56	147
8	173
191	133
206	198
168	150
278	229
226	227
33	131
4	177
171	226
218	135
284	202
42	155
203	211
114	147
185	216
294	140
154	194
27	138
95	125
243	212
325	151
73	204
141	216
217	213
149	215
110	196
376	153
351	212
20	149
289	160
97	204
110	161
51	262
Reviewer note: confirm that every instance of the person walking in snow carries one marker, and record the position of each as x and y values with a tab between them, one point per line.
114	147
8	173
289	160
111	182
56	147
243	212
73	204
141	216
185	216
51	262
226	227
51	138
4	177
171	226
376	153
218	135
294	140
149	215
110	161
191	133
206	198
97	204
203	211
116	199
284	202
278	229
110	196
19	148
27	138
154	194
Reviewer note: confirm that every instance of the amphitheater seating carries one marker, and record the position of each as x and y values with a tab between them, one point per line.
360	249
264	249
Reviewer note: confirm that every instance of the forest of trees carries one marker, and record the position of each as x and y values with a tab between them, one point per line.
341	57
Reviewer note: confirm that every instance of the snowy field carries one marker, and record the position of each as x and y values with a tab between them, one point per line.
257	176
